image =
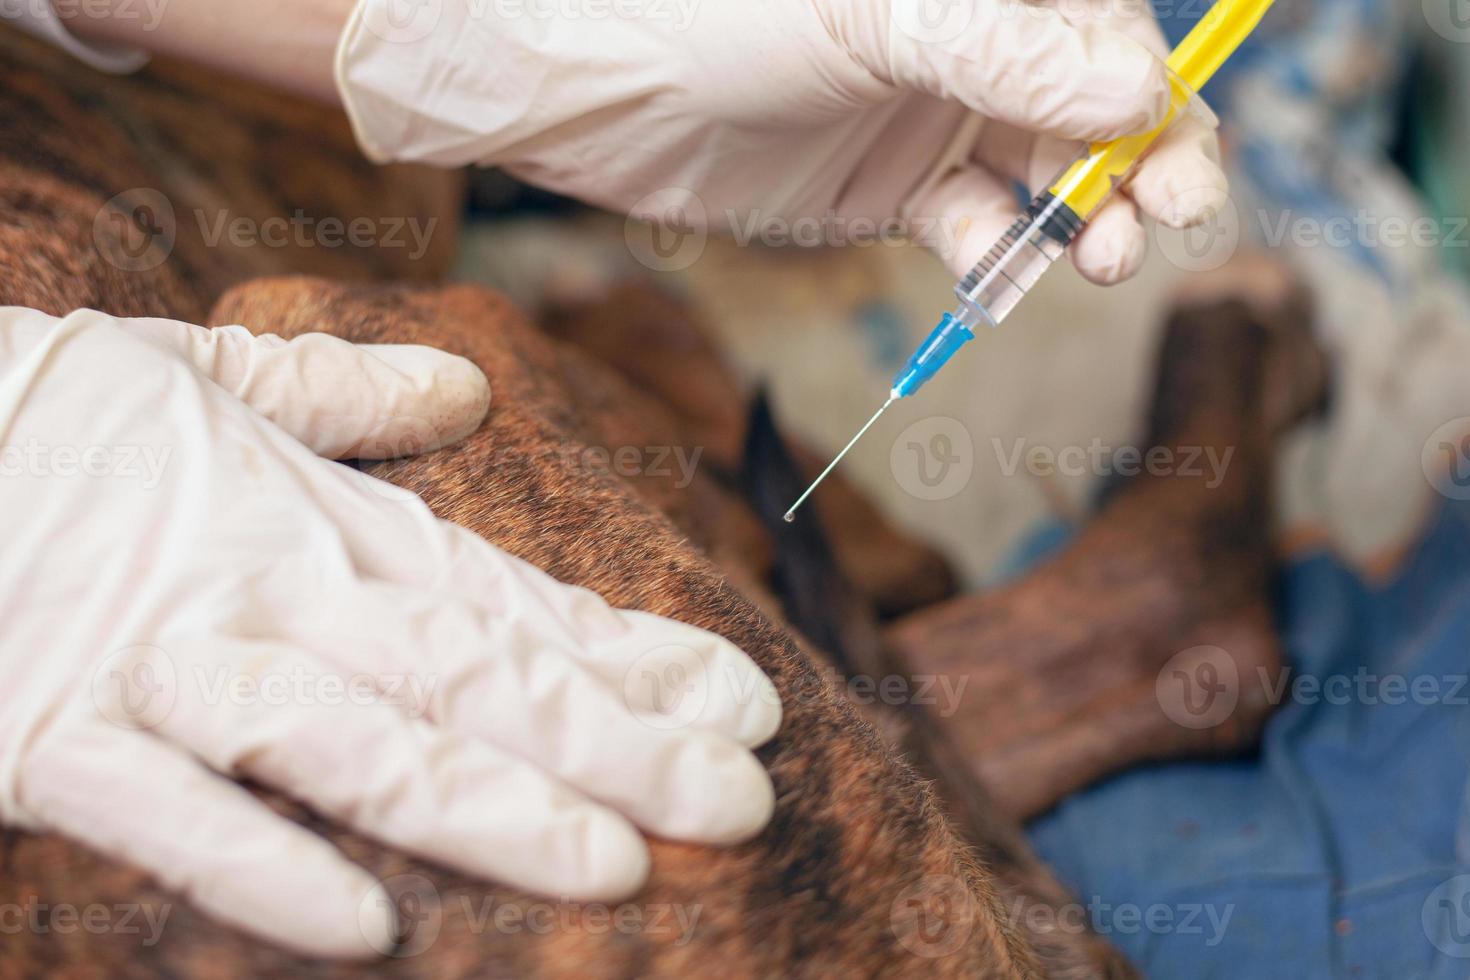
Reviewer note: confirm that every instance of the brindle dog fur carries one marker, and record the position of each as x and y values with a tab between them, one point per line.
893	850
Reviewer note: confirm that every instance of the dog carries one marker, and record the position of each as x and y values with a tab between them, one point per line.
895	848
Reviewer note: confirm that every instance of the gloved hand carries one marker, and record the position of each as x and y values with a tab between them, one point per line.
185	587
752	115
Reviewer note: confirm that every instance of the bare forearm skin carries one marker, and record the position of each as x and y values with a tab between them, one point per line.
288	44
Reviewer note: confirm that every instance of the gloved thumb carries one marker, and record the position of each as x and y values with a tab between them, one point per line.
345	401
1021	63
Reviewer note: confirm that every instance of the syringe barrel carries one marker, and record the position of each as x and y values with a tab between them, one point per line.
1013	265
1055	217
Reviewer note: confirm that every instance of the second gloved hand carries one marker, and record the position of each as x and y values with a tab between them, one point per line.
754	116
189	593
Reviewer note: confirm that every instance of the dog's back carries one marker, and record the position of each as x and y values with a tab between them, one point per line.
859	872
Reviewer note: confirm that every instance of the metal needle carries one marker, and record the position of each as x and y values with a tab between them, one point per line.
791	514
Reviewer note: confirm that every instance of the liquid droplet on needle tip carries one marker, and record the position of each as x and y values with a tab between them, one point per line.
791	514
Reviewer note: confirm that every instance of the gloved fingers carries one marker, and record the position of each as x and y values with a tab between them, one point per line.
1136	20
632	653
1110	249
1113	245
341	744
363	401
1027	65
656	662
507	672
406	545
22	331
1035	162
976	207
1180	181
140	800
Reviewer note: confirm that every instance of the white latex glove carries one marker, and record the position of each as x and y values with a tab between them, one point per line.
189	593
756	113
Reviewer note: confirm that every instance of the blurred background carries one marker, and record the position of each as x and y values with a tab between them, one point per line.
1342	848
1344	123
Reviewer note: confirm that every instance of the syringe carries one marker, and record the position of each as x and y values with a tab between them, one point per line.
999	281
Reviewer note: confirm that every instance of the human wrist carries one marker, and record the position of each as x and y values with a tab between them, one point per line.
287	44
51	21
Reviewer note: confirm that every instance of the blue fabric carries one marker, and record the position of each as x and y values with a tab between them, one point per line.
1335	851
